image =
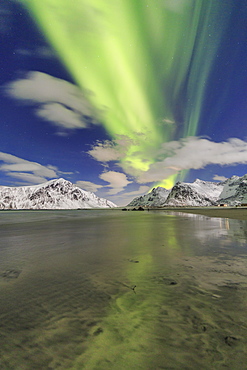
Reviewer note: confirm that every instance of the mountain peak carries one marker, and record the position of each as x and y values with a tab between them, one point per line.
198	193
155	198
53	194
60	180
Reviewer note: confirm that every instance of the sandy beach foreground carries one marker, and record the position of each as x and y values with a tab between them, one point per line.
106	290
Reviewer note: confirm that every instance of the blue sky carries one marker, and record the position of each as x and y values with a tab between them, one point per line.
166	102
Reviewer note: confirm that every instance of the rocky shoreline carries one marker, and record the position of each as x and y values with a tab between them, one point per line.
239	213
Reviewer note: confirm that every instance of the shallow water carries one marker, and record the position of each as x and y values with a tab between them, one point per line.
106	289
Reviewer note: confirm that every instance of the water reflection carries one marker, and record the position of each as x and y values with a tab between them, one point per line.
118	290
208	228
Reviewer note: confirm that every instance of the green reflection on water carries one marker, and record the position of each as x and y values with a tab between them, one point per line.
116	290
128	332
161	323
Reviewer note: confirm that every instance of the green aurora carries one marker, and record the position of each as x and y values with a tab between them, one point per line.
143	65
131	318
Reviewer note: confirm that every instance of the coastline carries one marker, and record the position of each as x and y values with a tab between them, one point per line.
239	213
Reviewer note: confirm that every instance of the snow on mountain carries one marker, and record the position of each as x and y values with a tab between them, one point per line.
234	191
198	193
156	198
54	194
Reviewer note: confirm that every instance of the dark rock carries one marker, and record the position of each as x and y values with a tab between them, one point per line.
11	274
98	331
230	340
164	280
133	261
138	209
173	283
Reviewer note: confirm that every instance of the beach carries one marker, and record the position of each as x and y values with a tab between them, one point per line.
239	213
106	289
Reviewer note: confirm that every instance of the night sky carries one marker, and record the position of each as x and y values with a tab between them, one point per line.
121	96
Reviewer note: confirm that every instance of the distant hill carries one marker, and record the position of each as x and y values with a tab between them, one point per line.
156	198
198	193
233	191
54	194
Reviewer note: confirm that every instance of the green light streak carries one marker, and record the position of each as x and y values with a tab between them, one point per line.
128	339
137	62
167	183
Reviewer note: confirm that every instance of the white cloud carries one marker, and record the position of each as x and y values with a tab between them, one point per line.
114	150
16	167
25	170
125	198
194	153
61	116
27	177
171	157
105	152
38	52
219	178
142	190
88	186
60	101
167	120
117	181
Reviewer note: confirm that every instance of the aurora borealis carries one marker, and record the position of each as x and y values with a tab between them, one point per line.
125	53
152	74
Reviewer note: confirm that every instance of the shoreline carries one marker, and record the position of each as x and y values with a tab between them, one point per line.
239	213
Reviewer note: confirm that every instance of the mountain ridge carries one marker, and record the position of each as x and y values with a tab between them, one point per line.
232	191
53	194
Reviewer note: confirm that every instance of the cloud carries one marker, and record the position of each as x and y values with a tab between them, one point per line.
37	52
171	157
27	177
142	190
59	101
88	186
127	197
105	152
117	181
27	171
61	116
114	150
194	153
219	178
167	120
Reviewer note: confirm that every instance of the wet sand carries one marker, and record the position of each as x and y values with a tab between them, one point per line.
122	290
239	213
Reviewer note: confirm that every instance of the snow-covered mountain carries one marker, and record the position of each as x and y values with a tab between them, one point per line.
234	191
156	198
199	193
54	194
